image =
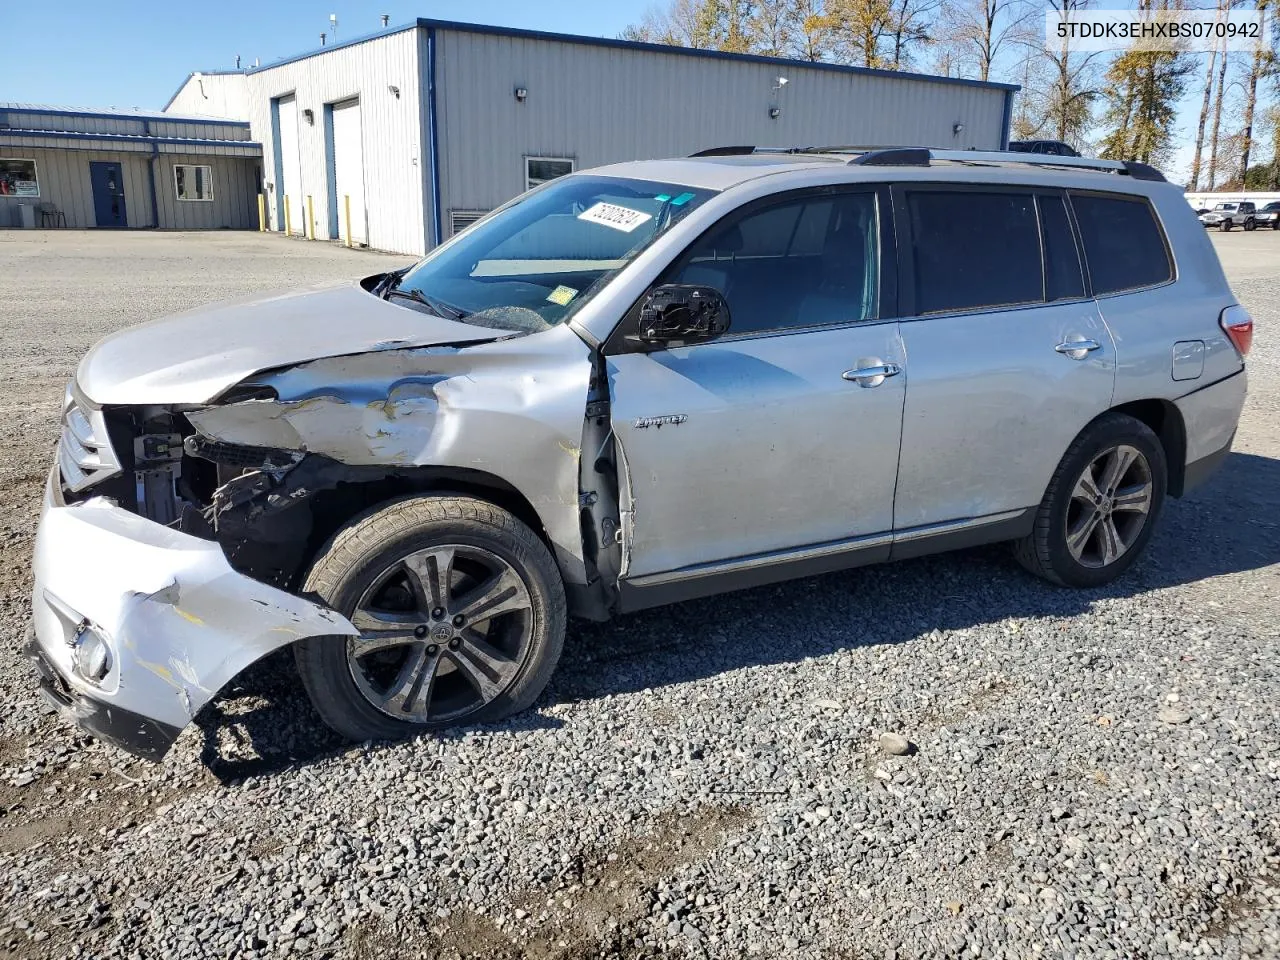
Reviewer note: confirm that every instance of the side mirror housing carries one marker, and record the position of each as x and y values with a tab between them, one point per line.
675	314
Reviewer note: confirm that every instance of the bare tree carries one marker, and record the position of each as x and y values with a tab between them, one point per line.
910	29
1061	84
1217	115
980	30
1263	63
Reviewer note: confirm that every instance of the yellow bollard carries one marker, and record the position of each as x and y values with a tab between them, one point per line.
262	214
346	203
288	217
311	219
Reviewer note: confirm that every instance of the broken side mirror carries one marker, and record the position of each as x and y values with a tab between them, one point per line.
675	314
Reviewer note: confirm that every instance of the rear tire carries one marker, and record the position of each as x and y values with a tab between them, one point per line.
1101	506
1250	224
461	611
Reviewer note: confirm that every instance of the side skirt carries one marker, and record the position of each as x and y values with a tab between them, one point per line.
704	580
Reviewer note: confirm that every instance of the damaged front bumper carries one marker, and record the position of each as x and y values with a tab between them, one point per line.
136	626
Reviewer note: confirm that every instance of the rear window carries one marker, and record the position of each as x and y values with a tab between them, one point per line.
1123	244
974	250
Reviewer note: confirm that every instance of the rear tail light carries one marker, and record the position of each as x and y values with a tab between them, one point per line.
1238	325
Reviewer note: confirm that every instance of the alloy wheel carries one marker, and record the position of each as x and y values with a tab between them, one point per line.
1109	506
443	631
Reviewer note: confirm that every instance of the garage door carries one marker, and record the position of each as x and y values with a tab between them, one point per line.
348	170
290	169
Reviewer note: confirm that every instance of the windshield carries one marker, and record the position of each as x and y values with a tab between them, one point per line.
533	264
1225	206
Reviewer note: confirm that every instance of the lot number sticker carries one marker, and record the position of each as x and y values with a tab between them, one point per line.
612	215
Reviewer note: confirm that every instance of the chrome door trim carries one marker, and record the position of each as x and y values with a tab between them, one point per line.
833	548
741	564
954	526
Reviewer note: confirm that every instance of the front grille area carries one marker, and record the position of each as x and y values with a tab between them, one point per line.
85	455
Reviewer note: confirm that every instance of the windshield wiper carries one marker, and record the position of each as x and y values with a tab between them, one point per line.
431	303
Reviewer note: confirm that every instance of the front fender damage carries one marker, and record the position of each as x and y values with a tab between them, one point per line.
509	410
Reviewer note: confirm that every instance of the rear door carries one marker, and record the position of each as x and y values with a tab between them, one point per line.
1008	357
769	439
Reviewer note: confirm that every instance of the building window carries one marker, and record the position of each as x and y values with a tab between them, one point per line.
18	178
538	170
193	182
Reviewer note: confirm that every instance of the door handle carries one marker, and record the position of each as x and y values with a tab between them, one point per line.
872	373
1078	349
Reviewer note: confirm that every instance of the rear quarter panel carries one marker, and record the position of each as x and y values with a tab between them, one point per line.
1146	324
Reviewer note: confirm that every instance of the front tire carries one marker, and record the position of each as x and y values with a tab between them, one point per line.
461	611
1225	226
1101	506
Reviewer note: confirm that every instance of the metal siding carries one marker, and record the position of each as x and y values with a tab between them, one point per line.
234	205
64	182
393	158
213	95
602	104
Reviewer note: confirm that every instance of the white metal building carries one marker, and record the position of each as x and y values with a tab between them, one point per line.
109	168
422	128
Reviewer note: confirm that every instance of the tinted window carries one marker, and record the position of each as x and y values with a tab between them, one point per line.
801	263
1063	278
1123	245
974	250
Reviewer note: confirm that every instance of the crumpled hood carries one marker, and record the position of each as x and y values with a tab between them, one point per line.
192	357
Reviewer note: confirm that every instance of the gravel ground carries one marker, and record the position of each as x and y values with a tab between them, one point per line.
1090	774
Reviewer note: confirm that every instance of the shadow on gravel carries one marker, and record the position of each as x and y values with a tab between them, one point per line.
264	723
1230	525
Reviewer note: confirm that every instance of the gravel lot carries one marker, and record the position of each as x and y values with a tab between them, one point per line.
1094	774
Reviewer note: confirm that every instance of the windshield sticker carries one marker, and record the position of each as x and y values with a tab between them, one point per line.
615	216
681	200
663	197
561	295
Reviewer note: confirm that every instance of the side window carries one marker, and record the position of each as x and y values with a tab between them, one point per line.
1123	244
1063	279
974	249
803	262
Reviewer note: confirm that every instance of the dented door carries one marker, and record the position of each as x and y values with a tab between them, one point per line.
746	446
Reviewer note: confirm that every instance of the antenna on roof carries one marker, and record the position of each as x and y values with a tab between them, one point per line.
386	19
333	26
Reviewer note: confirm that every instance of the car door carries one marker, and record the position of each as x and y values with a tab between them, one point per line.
1009	358
778	440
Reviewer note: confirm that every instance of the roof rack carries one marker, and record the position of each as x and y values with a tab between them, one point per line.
924	156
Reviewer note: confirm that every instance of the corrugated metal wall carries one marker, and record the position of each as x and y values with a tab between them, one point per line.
213	95
600	105
153	126
64	181
235	194
393	137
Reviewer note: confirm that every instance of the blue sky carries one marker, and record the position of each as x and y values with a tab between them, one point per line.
136	53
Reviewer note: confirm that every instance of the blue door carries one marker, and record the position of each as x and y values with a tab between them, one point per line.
108	193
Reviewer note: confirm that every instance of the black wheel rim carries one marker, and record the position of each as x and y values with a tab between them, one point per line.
443	632
1109	507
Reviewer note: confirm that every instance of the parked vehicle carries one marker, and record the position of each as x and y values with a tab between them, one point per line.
1054	148
635	385
1224	216
1269	216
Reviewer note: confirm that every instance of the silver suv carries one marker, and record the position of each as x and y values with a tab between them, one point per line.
1224	216
634	385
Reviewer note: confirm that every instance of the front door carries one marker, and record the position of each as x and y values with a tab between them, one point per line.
1010	359
782	436
107	180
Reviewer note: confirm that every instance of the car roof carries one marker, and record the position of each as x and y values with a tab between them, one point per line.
726	171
